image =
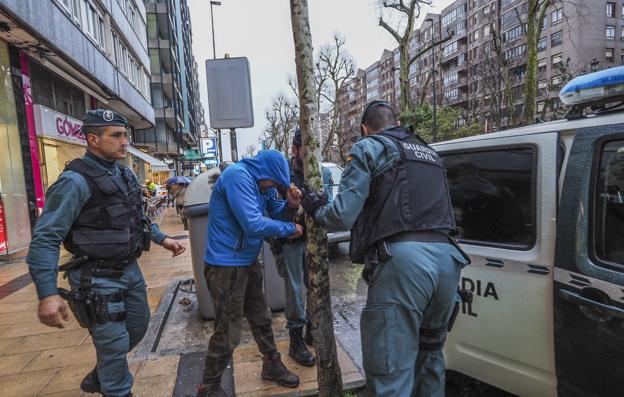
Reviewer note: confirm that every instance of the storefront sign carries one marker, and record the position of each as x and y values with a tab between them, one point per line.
55	125
192	154
187	165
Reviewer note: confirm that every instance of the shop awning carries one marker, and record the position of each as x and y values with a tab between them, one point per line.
157	165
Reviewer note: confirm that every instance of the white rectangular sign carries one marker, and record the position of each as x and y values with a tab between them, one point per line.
52	124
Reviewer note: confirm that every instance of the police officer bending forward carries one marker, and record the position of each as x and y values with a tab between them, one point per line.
394	197
95	210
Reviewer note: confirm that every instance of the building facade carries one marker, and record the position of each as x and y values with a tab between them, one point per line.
61	58
480	59
174	86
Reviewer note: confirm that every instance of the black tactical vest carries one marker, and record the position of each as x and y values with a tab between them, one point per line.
412	195
112	224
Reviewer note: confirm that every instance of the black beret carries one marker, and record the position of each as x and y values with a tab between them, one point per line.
103	117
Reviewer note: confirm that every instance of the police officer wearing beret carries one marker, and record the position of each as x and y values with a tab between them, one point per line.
95	210
394	197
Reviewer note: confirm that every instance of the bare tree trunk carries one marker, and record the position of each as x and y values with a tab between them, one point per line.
535	21
319	302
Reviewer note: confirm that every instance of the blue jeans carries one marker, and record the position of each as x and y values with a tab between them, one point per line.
114	339
290	265
412	291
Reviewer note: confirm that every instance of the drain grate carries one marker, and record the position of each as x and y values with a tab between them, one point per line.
180	237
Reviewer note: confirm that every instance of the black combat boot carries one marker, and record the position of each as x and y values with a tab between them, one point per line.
213	389
91	382
274	369
298	350
308	334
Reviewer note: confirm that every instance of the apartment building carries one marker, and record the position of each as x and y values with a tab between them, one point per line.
174	84
60	58
483	44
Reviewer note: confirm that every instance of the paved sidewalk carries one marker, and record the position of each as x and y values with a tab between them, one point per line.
36	360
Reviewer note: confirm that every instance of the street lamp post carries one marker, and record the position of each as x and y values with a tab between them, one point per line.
435	126
214	50
214	56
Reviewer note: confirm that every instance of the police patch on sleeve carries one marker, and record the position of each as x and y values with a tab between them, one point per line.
414	151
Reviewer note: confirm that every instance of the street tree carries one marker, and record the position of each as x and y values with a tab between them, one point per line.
319	302
421	118
251	151
534	25
338	67
282	121
407	12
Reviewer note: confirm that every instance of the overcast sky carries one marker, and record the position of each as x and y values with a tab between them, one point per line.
260	30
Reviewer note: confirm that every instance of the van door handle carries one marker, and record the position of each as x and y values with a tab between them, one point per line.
603	308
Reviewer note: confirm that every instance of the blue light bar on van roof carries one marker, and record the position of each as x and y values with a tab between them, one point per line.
594	87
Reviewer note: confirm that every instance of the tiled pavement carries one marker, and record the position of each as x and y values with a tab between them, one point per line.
36	360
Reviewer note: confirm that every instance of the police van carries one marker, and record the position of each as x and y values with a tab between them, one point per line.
540	211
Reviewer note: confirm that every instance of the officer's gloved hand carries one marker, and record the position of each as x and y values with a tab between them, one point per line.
312	200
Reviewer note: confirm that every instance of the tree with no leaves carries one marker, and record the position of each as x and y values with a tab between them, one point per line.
535	24
409	12
251	151
282	122
319	302
338	67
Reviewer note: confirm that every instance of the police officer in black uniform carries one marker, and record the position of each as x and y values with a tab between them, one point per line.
95	209
394	197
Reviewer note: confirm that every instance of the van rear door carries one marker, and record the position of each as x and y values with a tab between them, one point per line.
589	267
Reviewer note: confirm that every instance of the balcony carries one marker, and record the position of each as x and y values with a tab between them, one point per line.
168	114
189	139
156	8
461	82
462	97
461	49
167	149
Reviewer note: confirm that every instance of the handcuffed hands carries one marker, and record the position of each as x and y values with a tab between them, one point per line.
313	200
293	195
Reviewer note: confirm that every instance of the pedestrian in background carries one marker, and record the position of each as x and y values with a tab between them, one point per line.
394	197
95	209
237	226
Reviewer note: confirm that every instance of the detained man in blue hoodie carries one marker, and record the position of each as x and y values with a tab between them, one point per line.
237	226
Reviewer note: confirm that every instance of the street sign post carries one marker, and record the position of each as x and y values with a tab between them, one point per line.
229	96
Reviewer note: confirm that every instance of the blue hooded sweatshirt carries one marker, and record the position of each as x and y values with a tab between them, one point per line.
236	222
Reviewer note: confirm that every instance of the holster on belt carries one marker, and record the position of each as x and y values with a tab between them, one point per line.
378	254
91	308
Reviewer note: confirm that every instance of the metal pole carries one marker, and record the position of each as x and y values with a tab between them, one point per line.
234	149
214	56
214	50
435	126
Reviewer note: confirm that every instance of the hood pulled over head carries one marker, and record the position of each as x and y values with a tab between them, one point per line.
269	164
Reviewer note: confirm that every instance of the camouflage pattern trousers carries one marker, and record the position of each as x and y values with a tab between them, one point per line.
236	291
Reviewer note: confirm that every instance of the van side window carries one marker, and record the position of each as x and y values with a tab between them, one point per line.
492	192
608	217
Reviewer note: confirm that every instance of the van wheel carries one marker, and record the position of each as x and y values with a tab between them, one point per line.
460	385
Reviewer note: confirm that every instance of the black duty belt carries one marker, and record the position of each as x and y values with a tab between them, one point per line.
424	236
